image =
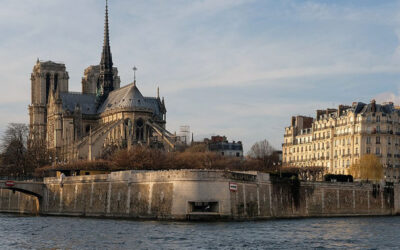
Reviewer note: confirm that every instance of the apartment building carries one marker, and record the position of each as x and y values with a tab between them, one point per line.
337	138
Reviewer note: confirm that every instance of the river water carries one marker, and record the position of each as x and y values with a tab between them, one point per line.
25	232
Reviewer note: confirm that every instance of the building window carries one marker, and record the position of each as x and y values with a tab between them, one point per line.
378	140
378	118
368	140
378	151
368	150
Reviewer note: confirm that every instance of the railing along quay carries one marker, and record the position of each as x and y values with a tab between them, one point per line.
21	178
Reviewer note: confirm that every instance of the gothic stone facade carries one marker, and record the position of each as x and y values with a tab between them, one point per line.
85	125
337	138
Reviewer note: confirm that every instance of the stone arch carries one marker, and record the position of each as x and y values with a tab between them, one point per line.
55	81
139	124
34	207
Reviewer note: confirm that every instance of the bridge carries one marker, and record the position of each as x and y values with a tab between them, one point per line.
30	187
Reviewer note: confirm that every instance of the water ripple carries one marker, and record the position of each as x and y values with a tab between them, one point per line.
24	232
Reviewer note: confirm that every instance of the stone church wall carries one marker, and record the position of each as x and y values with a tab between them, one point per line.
230	195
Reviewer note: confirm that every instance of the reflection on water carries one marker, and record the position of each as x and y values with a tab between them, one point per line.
18	232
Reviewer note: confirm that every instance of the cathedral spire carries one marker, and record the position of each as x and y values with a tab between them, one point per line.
106	77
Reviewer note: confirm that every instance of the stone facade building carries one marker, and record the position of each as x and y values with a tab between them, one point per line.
222	146
85	125
337	138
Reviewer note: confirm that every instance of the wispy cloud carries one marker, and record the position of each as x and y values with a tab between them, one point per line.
234	67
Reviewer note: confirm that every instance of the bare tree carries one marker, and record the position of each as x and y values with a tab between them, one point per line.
14	147
264	153
37	155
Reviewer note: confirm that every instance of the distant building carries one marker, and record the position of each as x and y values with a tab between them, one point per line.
337	138
222	146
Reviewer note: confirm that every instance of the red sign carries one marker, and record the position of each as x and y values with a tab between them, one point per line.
233	186
10	183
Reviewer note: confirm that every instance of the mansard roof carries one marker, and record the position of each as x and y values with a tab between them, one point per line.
127	97
86	102
386	108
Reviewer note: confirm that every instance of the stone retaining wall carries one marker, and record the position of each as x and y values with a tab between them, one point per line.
177	195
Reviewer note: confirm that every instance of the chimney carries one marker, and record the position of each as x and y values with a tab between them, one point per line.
340	109
373	105
319	113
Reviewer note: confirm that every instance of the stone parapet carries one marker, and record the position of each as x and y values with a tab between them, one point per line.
210	194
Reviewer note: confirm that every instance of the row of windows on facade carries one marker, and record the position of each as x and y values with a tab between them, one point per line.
376	129
345	120
342	152
322	145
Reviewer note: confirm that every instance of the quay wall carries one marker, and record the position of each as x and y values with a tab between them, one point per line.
180	195
17	202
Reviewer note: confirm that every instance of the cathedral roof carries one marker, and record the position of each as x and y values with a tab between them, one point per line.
86	102
126	97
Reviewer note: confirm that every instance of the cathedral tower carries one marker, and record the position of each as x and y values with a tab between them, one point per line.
46	77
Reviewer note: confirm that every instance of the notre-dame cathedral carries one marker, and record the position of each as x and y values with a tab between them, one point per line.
85	125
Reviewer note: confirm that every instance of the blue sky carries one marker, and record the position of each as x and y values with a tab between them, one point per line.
239	68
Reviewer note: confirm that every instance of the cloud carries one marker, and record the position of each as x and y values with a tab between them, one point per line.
388	97
235	67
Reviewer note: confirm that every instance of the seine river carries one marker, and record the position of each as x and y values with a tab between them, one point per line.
21	232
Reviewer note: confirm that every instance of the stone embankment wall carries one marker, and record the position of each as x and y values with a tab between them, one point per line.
201	194
17	202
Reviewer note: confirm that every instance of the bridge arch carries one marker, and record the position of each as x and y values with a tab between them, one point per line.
30	188
24	191
26	197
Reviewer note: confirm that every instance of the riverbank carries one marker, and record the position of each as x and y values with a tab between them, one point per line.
203	195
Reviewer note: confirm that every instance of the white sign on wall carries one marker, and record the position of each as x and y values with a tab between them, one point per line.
233	186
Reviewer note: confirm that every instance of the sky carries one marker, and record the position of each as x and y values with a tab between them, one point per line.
239	68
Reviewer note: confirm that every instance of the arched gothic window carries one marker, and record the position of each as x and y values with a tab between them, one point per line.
47	87
55	82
